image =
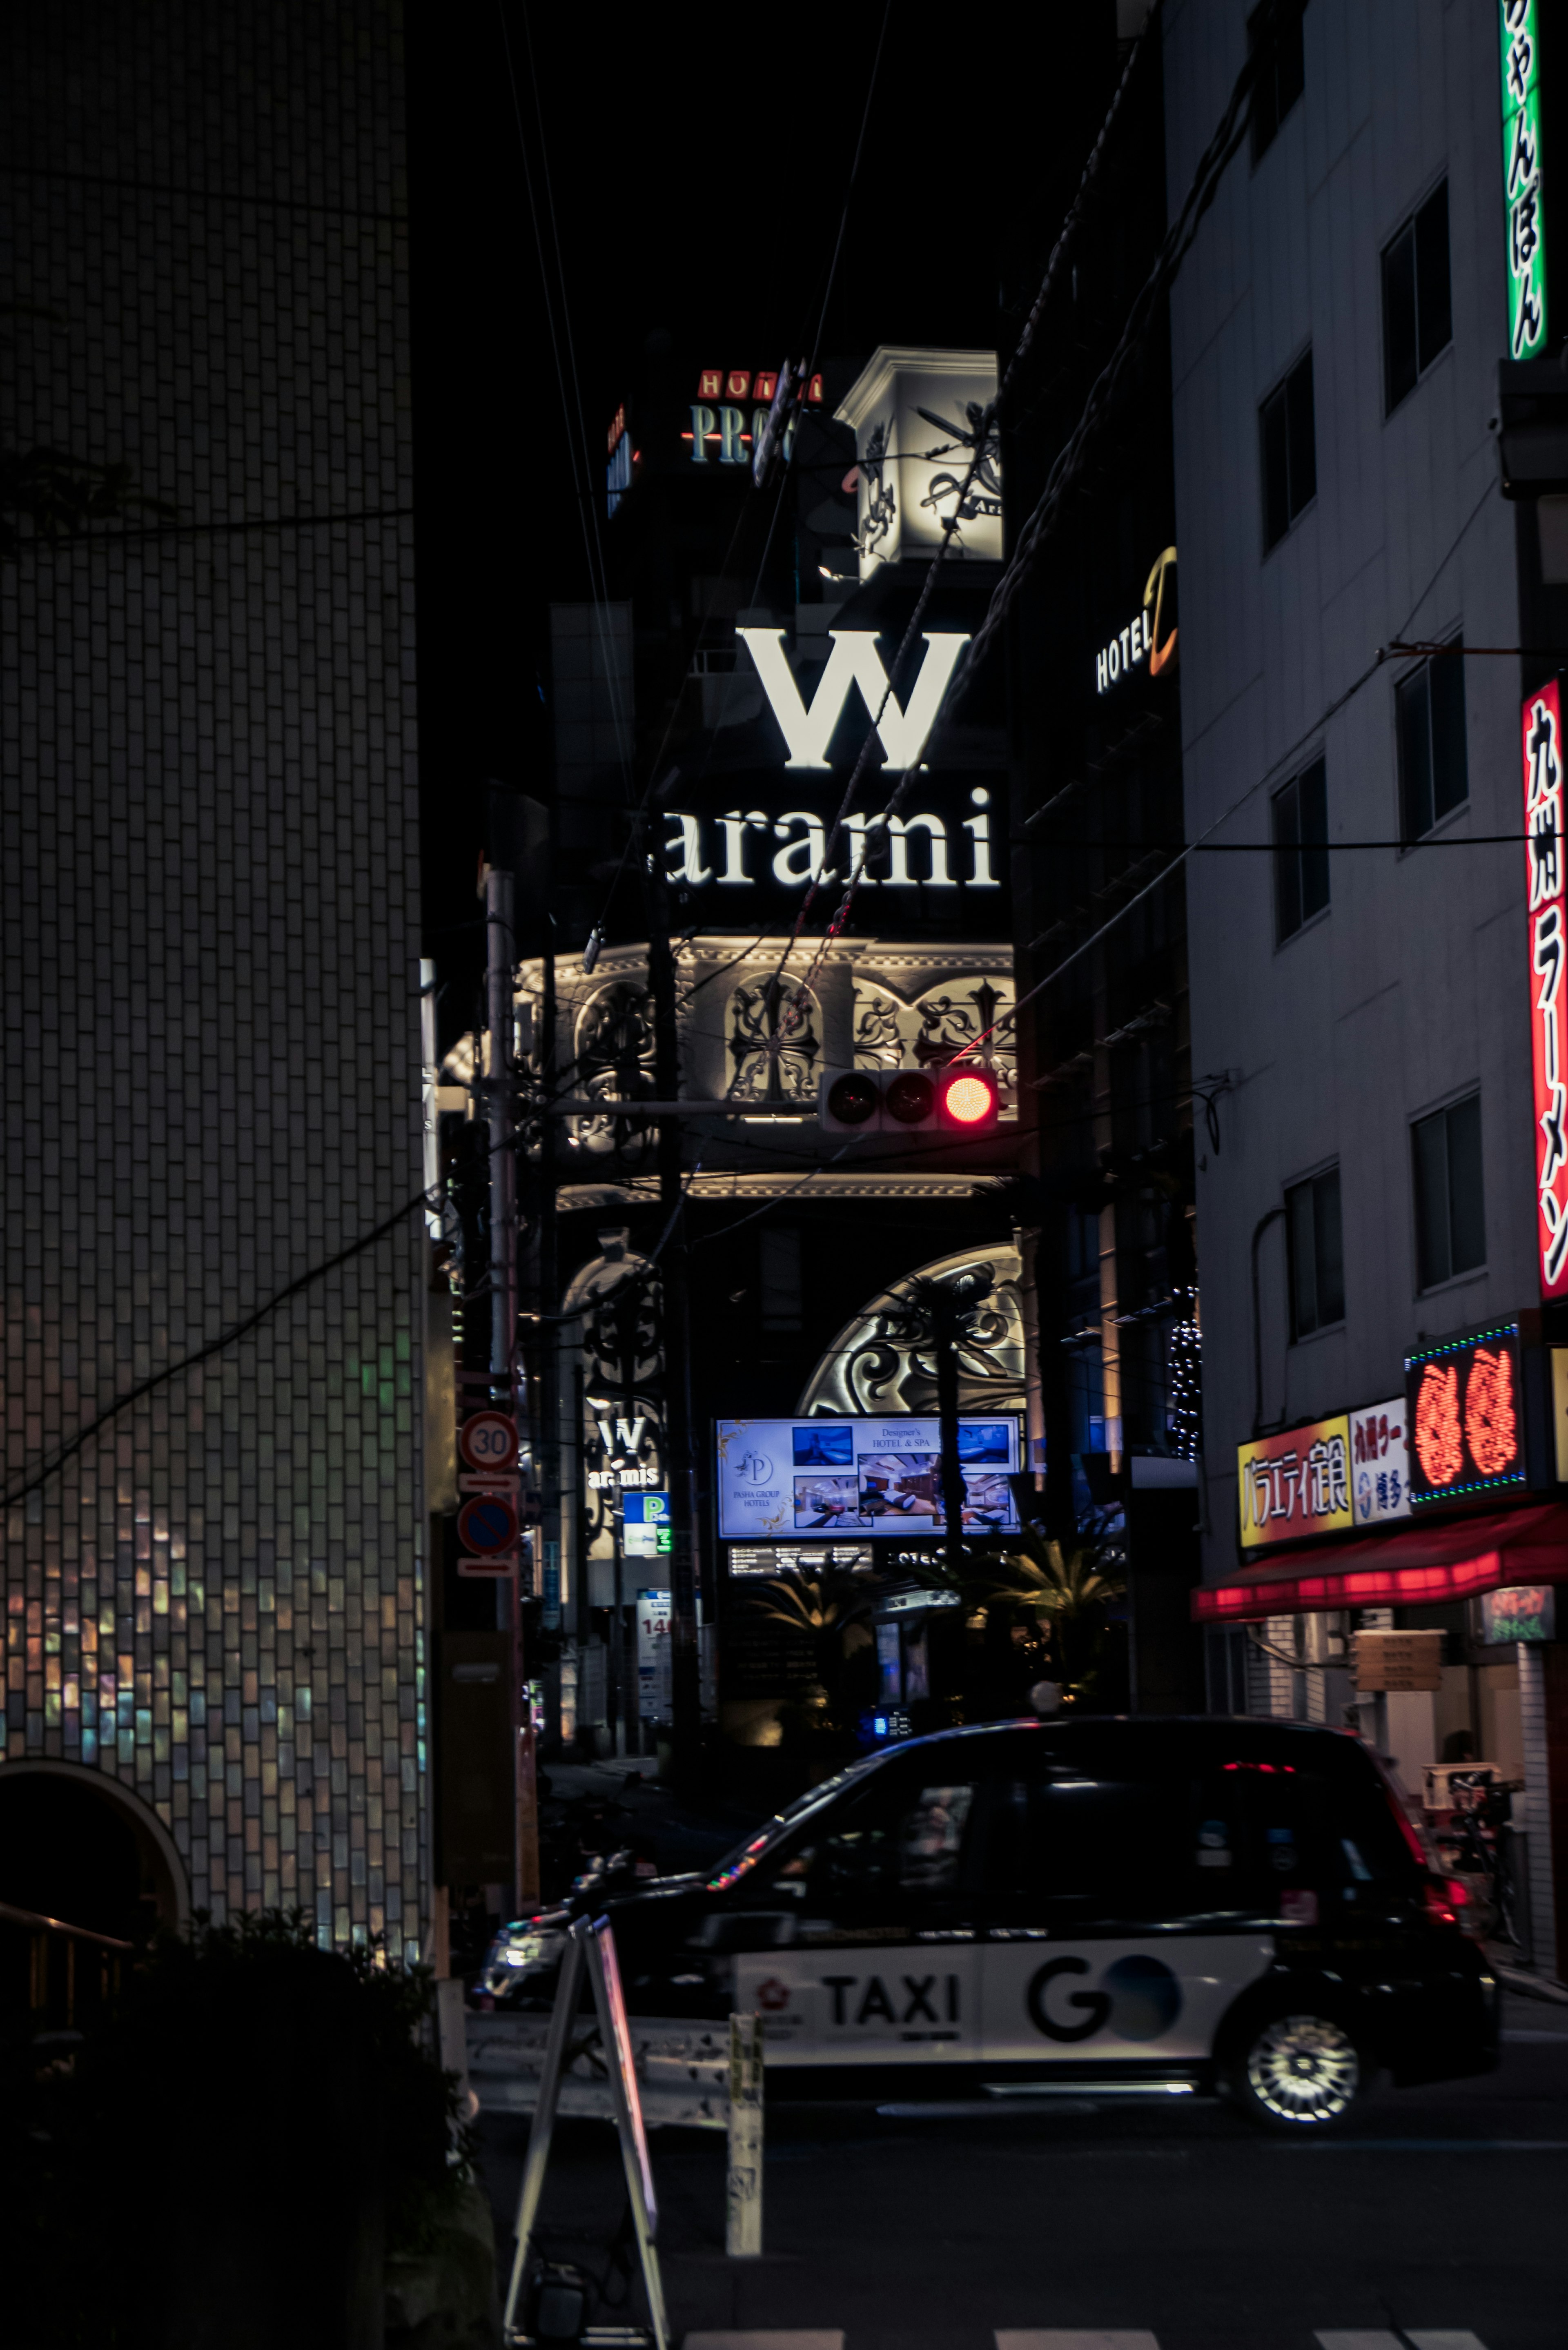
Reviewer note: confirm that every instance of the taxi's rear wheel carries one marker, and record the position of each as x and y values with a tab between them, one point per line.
1297	2073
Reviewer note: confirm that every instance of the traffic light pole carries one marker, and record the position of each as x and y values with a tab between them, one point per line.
944	1324
686	1698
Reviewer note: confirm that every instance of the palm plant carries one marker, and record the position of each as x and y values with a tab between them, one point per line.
830	1609
1069	1594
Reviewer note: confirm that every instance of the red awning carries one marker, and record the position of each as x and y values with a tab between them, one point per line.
1419	1566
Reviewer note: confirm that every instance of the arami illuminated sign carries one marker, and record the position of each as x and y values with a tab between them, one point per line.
1149	635
1522	179
1547	904
926	847
1464	1404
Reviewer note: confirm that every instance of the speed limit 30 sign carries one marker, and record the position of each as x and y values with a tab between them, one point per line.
488	1439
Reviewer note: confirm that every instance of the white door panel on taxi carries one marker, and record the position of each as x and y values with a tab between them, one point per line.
1156	2001
883	1965
887	2004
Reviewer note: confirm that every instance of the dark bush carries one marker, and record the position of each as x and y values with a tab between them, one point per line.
227	2159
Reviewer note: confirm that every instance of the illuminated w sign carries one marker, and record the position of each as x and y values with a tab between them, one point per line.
855	661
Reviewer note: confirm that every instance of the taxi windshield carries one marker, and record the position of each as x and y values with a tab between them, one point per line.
746	1855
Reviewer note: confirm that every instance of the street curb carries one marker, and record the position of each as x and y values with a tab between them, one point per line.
1533	1986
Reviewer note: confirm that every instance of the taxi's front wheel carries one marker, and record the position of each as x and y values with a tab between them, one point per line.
1296	2072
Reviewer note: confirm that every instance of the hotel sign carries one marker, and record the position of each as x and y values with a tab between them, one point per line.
1296	1483
1542	744
776	834
1150	634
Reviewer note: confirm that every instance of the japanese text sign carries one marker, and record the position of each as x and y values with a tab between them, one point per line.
1522	179
1379	1464
1398	1660
1542	747
1295	1483
1522	1611
1465	1402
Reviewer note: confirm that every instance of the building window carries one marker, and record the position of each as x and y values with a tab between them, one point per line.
1430	706
1301	850
1289	451
1317	1253
1418	313
781	1277
1450	1212
1281	76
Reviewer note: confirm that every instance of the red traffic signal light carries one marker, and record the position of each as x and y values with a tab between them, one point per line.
964	1099
969	1097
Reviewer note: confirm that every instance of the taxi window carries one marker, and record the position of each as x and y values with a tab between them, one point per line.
903	1839
1135	1830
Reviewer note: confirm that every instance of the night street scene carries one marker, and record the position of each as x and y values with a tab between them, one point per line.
785	1325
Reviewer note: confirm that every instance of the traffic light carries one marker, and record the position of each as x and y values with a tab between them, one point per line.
960	1099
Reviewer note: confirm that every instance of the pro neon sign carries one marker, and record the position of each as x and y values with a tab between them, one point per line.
721	431
1541	736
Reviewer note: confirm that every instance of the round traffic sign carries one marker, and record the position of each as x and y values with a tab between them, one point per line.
489	1441
487	1525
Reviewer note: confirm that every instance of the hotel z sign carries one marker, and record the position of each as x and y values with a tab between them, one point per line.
1542	748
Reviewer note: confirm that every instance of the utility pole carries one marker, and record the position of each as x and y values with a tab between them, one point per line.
945	1328
501	1116
686	1700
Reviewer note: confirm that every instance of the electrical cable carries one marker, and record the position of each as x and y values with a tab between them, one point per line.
1261	784
581	478
226	1338
815	350
1069	464
982	436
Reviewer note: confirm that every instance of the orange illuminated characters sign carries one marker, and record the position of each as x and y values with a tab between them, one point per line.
1467	1427
1547	897
1295	1483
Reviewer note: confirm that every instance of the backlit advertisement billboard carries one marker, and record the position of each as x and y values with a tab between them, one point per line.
866	1476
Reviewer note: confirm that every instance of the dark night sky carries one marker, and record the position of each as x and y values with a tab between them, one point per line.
698	162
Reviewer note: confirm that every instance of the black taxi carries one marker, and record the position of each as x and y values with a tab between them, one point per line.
1106	1906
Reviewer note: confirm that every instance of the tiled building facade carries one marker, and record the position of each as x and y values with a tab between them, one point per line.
209	890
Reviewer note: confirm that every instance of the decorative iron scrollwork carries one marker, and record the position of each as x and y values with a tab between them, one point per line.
758	1016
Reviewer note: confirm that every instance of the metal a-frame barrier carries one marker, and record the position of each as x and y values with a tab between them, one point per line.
590	1943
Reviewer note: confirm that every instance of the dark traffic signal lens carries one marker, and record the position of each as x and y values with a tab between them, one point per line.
910	1099
852	1100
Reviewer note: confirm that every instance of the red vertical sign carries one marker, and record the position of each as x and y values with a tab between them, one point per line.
1542	749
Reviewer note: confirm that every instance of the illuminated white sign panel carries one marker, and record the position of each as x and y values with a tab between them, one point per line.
733	850
881	1477
921	420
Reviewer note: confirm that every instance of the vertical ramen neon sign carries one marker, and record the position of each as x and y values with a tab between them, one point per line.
1543	753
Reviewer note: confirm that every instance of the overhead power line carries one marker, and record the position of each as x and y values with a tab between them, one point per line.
226	1338
1069	225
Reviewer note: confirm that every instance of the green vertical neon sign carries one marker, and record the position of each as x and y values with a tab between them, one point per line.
1522	179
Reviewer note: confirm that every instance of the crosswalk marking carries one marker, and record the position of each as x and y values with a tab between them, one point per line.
1072	2337
1427	2338
801	2338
